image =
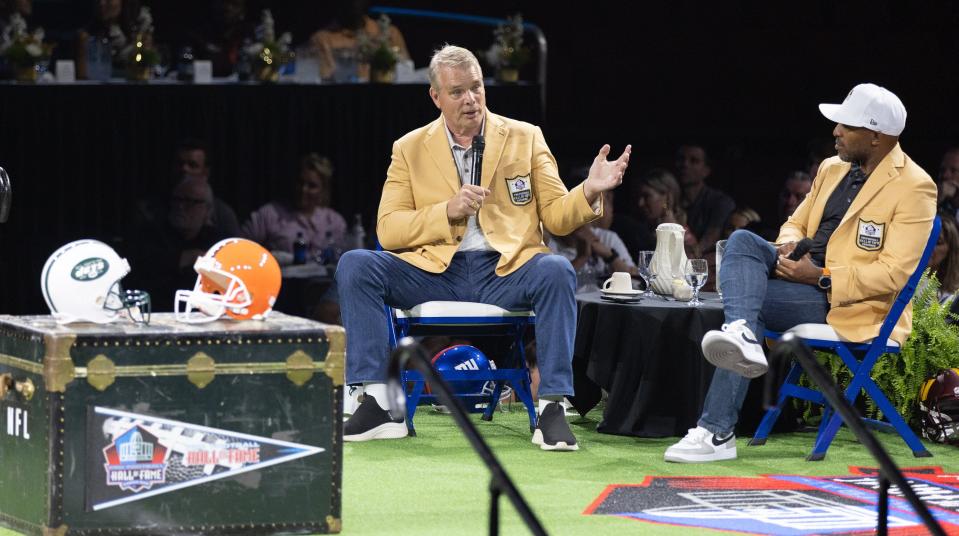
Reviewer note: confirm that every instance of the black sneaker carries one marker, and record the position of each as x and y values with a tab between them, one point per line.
552	431
370	421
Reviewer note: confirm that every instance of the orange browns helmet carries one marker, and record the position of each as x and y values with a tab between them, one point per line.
236	277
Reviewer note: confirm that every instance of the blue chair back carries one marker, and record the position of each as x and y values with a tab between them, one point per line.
907	292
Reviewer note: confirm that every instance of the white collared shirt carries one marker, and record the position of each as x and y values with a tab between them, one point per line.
473	238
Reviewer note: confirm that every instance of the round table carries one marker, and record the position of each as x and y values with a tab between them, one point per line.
647	356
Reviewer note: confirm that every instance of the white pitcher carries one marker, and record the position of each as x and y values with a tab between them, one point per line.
669	258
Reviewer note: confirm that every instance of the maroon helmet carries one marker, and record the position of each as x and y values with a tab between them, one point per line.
939	407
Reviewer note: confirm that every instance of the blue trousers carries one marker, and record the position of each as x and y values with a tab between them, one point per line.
367	280
750	293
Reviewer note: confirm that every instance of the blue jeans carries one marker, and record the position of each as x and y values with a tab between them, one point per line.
750	293
367	280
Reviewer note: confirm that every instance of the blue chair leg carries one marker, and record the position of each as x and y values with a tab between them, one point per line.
525	393
493	401
772	414
906	433
412	400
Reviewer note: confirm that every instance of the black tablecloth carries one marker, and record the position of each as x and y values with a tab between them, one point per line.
647	356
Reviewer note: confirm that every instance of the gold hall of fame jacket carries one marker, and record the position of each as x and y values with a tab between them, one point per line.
876	246
526	195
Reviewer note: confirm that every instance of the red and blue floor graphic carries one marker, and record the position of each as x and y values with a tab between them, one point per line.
784	504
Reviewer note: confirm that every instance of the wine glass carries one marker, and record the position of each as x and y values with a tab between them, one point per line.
644	264
696	271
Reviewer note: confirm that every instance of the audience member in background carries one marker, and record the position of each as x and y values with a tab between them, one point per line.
277	224
794	190
221	38
343	35
164	250
818	149
659	202
112	26
949	182
945	259
742	218
630	231
192	160
307	215
707	208
594	252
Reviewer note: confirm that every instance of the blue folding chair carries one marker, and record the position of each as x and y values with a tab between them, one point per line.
860	358
467	319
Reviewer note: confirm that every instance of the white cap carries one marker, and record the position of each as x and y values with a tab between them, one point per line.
869	106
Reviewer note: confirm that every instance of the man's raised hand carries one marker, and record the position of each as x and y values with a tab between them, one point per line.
605	175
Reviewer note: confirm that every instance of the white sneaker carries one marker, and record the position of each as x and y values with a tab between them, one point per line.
700	446
351	400
735	348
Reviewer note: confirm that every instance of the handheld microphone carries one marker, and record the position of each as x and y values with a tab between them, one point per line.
802	248
479	145
6	195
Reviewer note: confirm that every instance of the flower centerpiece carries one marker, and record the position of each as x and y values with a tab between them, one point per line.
24	51
269	54
508	54
378	52
139	54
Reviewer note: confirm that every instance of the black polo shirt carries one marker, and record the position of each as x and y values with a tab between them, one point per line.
836	207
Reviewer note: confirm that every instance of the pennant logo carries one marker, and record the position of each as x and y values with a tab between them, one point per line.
144	456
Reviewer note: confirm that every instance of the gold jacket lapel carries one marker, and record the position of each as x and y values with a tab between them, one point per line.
438	147
495	135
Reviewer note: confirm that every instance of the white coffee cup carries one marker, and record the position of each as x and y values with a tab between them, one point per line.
620	282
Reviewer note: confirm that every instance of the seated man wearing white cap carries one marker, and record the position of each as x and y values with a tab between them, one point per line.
841	258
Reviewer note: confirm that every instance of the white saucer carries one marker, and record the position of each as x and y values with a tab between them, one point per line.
620	293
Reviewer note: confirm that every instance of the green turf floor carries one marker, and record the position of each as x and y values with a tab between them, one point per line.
435	484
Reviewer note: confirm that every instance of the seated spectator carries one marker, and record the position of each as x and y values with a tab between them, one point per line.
949	182
794	190
192	160
344	34
630	231
277	225
164	250
594	252
742	218
819	150
221	38
707	208
658	203
113	25
945	259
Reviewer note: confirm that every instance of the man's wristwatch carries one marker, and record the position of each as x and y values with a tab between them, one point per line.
825	280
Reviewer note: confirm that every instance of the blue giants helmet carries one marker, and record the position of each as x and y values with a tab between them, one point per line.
462	357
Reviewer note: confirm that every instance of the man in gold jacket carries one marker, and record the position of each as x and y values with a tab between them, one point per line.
448	239
841	259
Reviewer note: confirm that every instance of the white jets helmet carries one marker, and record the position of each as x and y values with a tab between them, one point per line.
81	283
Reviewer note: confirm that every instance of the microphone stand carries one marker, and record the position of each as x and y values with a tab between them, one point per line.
6	195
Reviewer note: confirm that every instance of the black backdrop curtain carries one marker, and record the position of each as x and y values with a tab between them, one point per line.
80	155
